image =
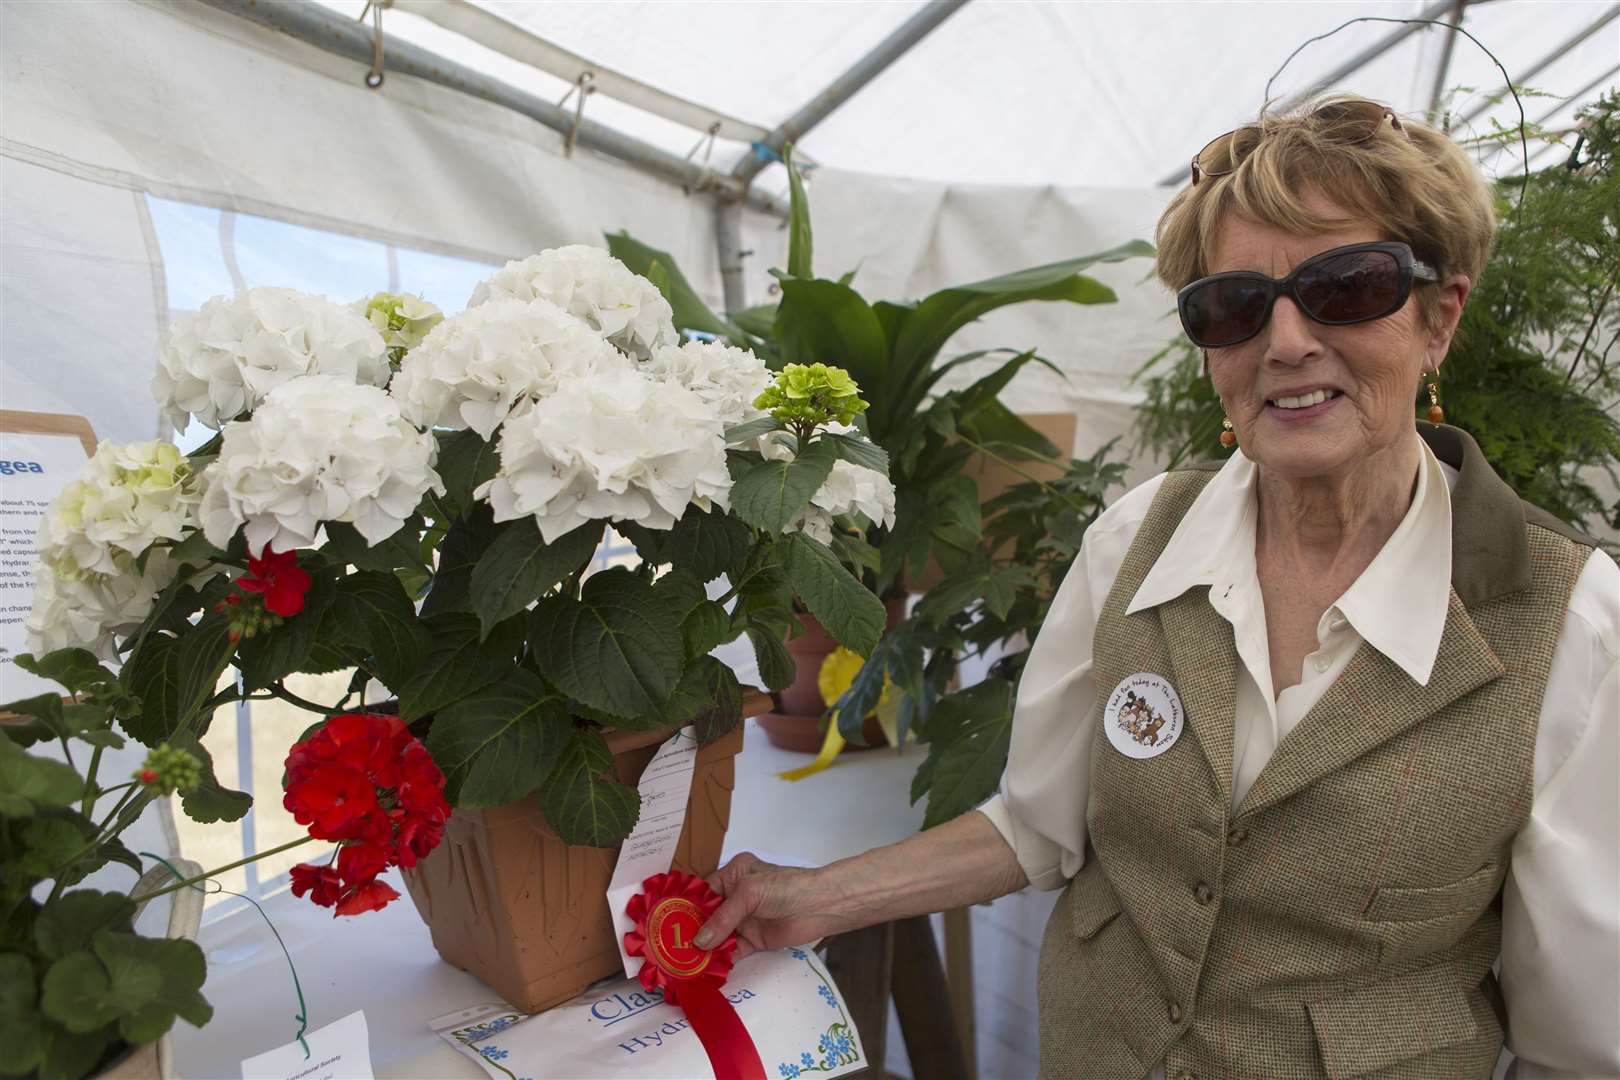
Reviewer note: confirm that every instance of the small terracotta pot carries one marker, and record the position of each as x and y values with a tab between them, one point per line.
509	902
797	724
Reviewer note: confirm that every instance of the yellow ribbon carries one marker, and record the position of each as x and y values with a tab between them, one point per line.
836	676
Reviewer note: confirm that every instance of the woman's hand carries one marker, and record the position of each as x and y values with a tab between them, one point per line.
769	906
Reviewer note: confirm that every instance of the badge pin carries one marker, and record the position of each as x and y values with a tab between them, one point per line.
1143	716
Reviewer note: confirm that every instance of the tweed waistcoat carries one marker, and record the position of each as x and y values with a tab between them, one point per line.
1343	921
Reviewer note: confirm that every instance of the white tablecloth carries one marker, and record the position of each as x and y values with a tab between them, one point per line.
384	962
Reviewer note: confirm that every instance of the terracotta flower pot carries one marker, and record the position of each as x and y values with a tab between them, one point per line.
509	902
797	724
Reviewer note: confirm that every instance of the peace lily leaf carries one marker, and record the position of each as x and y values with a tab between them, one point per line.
68	923
22	1028
460	663
211	801
818	319
500	743
28	782
372	611
799	240
581	806
848	609
771	494
520	566
617	648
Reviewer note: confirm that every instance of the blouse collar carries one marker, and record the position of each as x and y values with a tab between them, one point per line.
1398	605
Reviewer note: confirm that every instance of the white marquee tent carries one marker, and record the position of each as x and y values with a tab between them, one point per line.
154	153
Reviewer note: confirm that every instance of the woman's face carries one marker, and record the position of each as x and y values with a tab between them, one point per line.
1309	400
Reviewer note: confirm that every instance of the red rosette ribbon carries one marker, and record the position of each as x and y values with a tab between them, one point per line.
668	912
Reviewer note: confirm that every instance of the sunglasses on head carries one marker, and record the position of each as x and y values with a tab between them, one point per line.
1339	287
1345	122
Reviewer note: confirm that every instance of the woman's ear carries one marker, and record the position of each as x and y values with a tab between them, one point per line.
1453	294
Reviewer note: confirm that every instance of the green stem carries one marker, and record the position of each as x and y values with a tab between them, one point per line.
90	792
228	866
1042	484
293	699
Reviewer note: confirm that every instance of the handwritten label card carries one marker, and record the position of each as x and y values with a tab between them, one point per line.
338	1051
649	850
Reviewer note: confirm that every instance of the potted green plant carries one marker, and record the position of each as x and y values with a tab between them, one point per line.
893	350
417	500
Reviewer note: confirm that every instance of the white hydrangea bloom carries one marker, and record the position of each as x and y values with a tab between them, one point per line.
474	367
619	445
725	376
222	361
93	611
318	449
591	284
127	496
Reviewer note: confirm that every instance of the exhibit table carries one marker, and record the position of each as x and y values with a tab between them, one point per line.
384	962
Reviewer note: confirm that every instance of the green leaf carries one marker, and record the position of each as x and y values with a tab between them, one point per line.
22	1028
400	550
47	723
799	240
582	806
142	983
464	544
753	429
28	783
984	390
706	627
72	1056
371	611
707	543
1004	431
691	313
211	801
617	648
757	321
276	653
722	708
776	668
460	663
858	451
76	669
771	494
520	566
825	322
465	461
974	755
68	923
49	840
500	743
848	609
174	675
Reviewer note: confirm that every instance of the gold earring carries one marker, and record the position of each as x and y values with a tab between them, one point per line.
1228	436
1437	415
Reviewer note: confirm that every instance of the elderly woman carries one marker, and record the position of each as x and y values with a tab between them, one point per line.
1313	738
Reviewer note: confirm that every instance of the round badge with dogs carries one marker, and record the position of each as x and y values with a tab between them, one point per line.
1143	716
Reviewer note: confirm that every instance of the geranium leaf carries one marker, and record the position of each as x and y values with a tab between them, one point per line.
500	743
76	669
581	805
771	494
277	653
372	611
28	782
617	648
520	566
459	664
22	1028
848	609
211	801
140	982
67	923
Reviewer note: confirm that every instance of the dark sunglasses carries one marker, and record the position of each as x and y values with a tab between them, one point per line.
1345	285
1343	122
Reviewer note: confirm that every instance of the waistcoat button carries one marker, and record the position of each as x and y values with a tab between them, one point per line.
1203	893
1174	1012
1237	836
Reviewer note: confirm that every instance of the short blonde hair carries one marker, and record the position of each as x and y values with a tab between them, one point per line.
1414	185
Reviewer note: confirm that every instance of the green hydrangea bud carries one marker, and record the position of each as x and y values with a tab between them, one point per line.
810	394
168	770
402	319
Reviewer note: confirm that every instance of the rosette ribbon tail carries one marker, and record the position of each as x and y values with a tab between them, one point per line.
668	912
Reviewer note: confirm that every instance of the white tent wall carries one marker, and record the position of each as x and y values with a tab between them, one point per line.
909	238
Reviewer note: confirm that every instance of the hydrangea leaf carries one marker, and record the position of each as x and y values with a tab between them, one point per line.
848	609
617	648
372	611
520	566
771	494
460	663
500	743
581	805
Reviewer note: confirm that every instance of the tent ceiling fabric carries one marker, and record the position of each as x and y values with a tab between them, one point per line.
1022	91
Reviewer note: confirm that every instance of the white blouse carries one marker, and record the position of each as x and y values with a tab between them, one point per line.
1560	962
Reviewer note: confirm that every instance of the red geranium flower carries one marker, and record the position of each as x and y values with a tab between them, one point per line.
322	882
331	800
278	576
417	835
370	896
358	863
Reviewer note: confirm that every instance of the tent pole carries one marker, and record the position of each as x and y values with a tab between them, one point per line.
1546	61
1349	67
1444	67
846	85
328	30
728	244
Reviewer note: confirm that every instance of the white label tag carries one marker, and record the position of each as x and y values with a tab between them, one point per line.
1143	716
339	1051
665	786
